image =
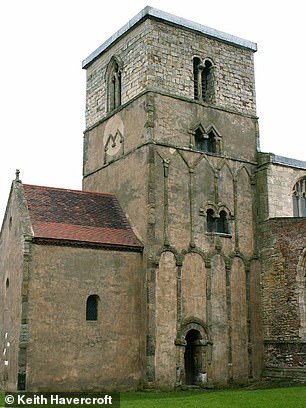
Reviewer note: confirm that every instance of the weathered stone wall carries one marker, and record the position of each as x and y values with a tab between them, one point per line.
127	179
222	300
170	60
10	294
110	165
193	181
283	291
176	120
159	56
132	50
81	354
166	204
118	136
14	255
166	321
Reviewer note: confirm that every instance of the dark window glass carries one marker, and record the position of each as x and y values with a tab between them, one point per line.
92	307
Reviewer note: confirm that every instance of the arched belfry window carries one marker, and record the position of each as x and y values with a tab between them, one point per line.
203	80
113	83
299	198
92	307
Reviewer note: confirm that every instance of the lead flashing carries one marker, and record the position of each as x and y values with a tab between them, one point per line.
287	161
170	18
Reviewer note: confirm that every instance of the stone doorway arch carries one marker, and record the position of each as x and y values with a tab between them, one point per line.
193	358
193	353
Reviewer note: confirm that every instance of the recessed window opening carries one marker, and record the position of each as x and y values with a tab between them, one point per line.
207	86
203	80
7	283
211	221
116	82
221	223
113	83
199	140
92	307
206	142
211	143
196	78
217	223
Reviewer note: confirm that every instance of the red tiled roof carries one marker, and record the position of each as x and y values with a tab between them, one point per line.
78	216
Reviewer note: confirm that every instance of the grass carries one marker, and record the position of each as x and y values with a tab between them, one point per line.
292	397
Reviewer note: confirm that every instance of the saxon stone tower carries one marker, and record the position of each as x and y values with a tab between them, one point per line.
172	132
182	261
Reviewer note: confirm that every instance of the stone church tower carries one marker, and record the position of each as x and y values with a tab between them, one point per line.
182	261
172	132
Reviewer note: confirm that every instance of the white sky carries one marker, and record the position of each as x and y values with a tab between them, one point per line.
42	97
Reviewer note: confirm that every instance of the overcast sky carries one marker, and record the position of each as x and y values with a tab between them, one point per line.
42	98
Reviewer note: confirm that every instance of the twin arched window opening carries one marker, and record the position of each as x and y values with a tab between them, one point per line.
203	80
92	307
217	223
206	140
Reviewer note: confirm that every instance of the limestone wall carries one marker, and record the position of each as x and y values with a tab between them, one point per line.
14	272
67	352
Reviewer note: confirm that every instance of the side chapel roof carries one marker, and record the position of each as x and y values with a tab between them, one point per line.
78	217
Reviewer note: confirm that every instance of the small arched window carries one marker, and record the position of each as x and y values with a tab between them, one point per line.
113	83
211	220
299	198
197	80
203	80
92	307
222	223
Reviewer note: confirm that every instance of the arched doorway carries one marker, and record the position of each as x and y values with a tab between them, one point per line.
193	357
194	353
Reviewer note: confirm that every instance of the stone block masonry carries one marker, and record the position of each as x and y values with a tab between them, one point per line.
283	283
159	56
